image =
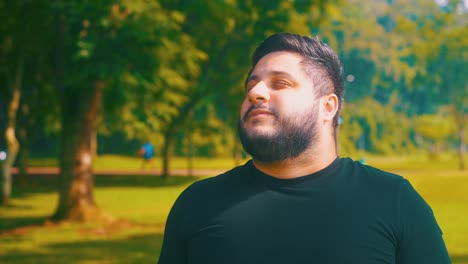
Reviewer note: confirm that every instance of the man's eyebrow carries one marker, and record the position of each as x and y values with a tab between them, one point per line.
281	73
271	73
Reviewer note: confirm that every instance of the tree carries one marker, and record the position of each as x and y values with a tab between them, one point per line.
442	63
10	135
22	43
38	111
435	129
103	49
381	130
414	50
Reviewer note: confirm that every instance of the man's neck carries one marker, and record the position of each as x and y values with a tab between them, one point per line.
307	163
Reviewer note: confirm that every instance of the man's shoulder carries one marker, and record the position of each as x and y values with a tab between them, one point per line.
374	187
370	174
218	183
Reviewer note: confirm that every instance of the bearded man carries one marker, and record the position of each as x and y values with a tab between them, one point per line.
296	201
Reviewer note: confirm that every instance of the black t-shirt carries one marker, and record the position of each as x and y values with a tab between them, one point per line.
345	213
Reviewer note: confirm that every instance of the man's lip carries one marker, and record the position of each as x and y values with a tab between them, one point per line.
256	112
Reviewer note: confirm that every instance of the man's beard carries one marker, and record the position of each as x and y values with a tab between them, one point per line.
292	137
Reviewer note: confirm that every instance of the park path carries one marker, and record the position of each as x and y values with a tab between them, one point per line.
149	172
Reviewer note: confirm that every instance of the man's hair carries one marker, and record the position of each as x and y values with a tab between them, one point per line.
321	63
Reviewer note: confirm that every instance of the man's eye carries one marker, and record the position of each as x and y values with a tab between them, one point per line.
280	84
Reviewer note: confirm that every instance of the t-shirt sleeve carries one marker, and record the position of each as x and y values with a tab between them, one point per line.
174	248
420	236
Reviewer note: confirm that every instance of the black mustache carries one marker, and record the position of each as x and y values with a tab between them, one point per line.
254	107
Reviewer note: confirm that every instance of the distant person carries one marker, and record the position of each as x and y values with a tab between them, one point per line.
147	152
296	201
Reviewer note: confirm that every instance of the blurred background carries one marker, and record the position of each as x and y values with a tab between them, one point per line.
83	84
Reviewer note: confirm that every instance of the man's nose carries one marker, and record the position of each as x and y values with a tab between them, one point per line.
259	94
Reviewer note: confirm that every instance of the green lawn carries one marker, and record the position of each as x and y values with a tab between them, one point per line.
133	162
142	204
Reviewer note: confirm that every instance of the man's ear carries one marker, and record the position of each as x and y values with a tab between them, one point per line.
330	106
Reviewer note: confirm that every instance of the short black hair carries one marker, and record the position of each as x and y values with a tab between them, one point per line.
321	62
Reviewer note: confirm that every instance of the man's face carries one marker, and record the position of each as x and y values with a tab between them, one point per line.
279	115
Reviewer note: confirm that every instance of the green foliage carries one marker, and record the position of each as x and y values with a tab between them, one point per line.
373	127
435	127
160	60
437	132
29	41
216	48
410	57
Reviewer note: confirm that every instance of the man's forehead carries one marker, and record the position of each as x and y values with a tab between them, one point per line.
278	62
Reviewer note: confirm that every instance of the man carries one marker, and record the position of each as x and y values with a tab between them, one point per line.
296	201
147	153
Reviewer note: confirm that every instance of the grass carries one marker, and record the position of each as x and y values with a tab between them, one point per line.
143	202
129	162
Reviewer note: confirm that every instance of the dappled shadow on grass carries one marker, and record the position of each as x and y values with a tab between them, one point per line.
459	259
18	207
36	184
133	249
11	225
48	185
142	181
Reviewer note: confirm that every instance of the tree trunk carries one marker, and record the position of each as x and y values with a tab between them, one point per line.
460	118
172	127
23	155
10	137
462	147
12	150
79	108
79	117
94	144
26	124
167	152
190	152
190	144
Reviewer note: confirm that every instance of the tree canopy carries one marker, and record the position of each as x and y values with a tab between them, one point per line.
172	72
